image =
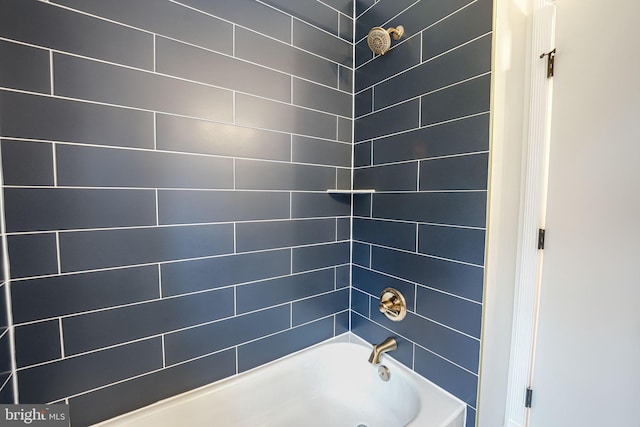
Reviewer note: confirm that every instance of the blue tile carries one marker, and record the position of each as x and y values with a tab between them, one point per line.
267	293
314	205
362	154
471	417
194	342
56	296
320	151
375	334
361	254
65	30
200	136
465	25
55	119
192	63
398	118
99	329
319	42
314	308
318	97
463	99
344	6
37	343
459	208
320	256
278	234
362	205
343	228
424	14
363	53
455	173
360	302
5	353
345	79
284	57
458	137
111	84
108	402
31	209
342	323
460	64
399	235
398	177
454	346
267	349
343	276
32	255
24	68
6	392
95	167
345	129
462	244
164	18
458	279
197	275
313	12
363	5
450	377
373	283
249	14
345	27
4	315
378	14
457	313
400	58
87	250
27	163
363	102
272	115
66	377
188	207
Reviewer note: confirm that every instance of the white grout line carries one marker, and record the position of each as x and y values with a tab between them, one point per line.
55	164
62	351
58	260
164	353
51	72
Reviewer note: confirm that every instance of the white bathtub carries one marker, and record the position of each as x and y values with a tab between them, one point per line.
330	384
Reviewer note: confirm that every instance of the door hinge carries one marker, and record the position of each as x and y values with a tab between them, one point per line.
551	62
541	233
528	398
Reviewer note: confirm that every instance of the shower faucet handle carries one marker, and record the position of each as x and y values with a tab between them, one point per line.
392	304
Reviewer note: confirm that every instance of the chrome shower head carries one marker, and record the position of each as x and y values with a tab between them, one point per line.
379	39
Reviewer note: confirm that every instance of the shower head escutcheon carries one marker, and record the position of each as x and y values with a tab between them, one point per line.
379	39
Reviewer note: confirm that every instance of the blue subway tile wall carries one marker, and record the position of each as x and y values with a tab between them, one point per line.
422	142
165	172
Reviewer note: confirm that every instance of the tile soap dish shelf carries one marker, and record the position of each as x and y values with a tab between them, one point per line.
336	191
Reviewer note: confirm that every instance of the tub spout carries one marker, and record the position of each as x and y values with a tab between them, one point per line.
387	345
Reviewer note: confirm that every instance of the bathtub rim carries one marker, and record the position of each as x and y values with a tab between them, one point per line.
346	337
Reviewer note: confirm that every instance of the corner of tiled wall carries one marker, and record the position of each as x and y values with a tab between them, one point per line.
422	142
166	166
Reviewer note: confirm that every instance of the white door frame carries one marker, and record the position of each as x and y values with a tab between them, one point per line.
521	94
534	195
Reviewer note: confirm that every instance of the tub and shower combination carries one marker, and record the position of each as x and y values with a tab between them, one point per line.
330	384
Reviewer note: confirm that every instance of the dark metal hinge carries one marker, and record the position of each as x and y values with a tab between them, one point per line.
541	233
528	398
551	62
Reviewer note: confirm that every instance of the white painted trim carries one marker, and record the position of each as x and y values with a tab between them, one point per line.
533	209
